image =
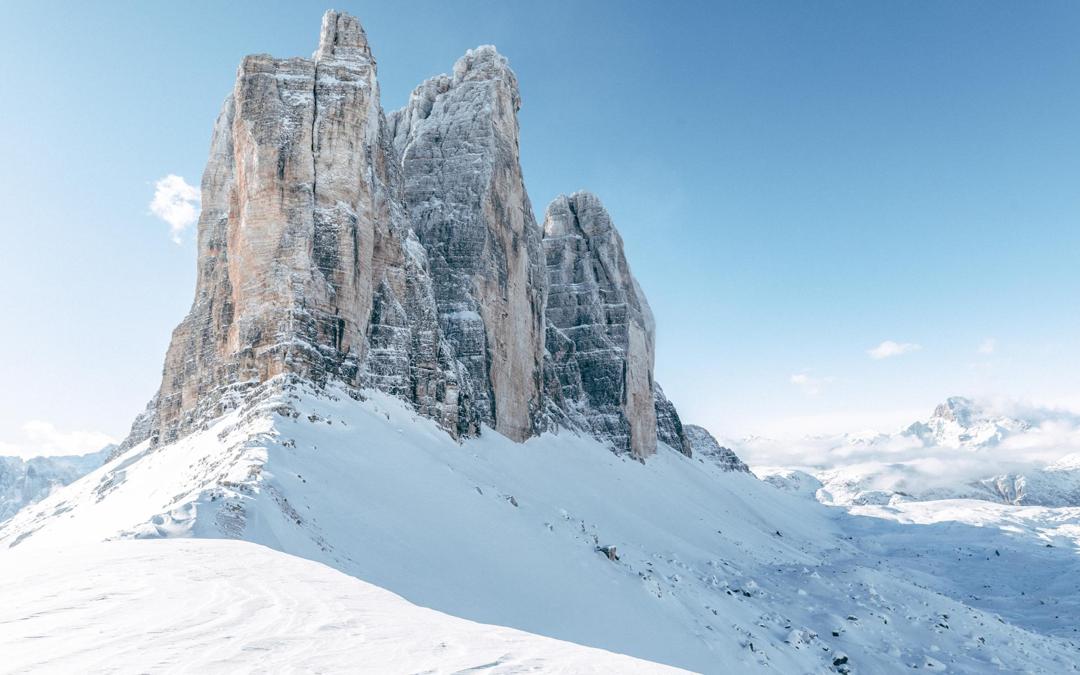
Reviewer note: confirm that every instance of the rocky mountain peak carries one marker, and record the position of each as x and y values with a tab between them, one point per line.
486	64
958	409
400	253
342	38
961	422
707	447
600	337
579	213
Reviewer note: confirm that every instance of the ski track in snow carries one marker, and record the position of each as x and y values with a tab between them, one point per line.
227	606
716	572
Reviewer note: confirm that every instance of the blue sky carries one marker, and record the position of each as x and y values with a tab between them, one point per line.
795	182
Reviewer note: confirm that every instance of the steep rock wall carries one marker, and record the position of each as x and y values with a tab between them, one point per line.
401	253
307	263
458	140
600	331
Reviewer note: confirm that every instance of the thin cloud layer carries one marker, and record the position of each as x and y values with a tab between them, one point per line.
177	203
902	462
810	385
44	439
889	349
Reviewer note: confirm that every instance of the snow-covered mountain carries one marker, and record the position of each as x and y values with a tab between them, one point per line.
399	252
25	481
673	560
960	423
392	370
966	449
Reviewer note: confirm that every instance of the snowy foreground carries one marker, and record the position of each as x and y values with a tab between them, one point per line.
713	571
229	606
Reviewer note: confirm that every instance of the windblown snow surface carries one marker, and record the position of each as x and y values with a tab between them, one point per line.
230	606
715	571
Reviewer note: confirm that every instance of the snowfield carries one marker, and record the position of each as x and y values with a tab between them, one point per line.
673	561
230	606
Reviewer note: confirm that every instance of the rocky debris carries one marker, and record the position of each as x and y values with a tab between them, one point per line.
401	253
608	551
707	447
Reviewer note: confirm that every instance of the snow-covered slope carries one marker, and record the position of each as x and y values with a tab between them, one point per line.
230	607
25	481
672	560
965	450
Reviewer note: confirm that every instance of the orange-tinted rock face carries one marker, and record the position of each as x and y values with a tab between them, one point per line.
307	263
395	253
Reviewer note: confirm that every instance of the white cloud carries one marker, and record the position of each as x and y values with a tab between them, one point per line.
889	349
177	203
810	385
893	461
43	439
988	346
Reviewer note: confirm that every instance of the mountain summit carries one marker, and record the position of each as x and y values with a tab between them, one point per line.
400	253
960	422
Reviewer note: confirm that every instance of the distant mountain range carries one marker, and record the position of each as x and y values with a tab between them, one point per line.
965	450
26	481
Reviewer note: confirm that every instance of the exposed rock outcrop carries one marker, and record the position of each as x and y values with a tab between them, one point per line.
706	447
669	427
401	253
458	139
600	332
307	263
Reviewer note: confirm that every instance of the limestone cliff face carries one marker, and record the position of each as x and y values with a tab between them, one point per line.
669	426
458	140
600	332
307	263
401	253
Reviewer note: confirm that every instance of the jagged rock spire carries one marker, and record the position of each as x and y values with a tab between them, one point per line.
307	263
467	203
342	38
402	254
600	332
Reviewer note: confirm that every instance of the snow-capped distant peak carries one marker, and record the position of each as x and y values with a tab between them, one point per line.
968	448
960	422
